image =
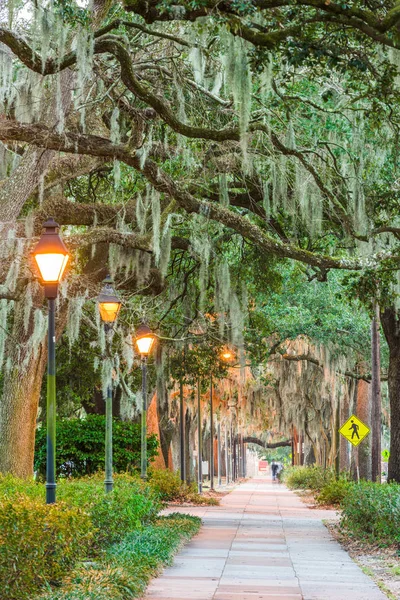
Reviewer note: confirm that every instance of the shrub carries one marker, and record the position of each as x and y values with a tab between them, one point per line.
372	511
168	485
132	504
81	446
308	478
334	491
39	543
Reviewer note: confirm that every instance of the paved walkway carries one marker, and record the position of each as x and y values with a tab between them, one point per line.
263	543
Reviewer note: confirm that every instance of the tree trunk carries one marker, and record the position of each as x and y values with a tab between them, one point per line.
21	391
391	328
344	415
18	412
363	412
376	401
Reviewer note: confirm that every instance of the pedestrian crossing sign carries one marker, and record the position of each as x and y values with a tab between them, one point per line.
354	430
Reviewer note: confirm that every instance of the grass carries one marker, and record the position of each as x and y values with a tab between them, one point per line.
127	566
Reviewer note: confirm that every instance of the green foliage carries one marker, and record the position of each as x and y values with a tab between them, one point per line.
39	543
198	362
308	478
335	491
80	446
127	567
169	487
131	504
371	511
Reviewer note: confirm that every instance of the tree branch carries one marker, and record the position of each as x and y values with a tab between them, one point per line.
98	146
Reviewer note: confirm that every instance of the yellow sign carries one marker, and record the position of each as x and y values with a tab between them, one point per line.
354	430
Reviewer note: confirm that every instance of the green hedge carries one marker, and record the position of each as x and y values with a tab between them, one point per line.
371	511
39	544
80	446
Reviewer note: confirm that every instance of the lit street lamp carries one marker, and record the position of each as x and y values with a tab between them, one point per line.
109	306
51	257
145	339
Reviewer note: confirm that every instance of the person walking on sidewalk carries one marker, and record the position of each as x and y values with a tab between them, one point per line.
274	469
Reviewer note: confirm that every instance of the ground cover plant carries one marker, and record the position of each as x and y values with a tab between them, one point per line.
126	567
40	545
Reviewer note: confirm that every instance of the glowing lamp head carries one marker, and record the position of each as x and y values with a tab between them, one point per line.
145	339
51	257
227	355
108	302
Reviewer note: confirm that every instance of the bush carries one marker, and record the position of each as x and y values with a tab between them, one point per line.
169	487
372	511
132	504
308	478
335	491
80	446
39	543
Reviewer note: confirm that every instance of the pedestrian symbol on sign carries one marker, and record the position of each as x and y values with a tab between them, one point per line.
354	430
354	427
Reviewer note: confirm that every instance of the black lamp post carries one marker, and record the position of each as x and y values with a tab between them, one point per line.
145	339
51	257
109	306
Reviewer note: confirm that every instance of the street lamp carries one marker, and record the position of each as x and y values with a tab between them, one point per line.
145	339
51	257
109	306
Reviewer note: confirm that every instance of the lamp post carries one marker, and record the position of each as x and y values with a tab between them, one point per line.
211	436
219	454
109	306
199	441
227	356
51	257
144	341
182	431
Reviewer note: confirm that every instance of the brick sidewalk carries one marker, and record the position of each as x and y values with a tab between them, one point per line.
262	543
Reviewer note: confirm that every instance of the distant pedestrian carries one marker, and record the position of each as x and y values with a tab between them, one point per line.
274	469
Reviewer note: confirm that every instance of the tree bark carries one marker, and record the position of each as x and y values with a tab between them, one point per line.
21	393
376	401
391	328
363	412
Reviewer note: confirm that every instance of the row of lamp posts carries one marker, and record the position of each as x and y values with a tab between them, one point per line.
51	256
